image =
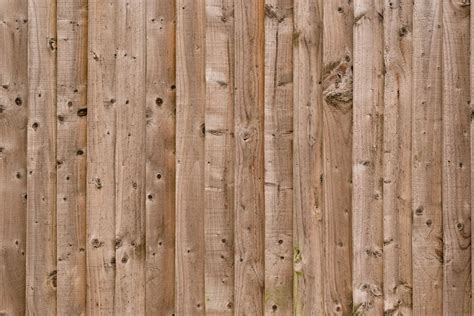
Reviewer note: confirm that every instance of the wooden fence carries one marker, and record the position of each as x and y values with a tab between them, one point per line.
244	157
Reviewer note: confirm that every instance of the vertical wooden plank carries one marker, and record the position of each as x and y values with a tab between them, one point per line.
41	271
13	119
456	159
278	142
101	132
397	157
367	227
71	156
190	130
249	182
472	139
130	162
219	154
427	239
308	294
161	157
337	155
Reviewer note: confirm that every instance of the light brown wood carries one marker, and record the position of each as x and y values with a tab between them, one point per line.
130	160
427	239
367	216
278	143
71	156
101	144
41	273
247	157
190	131
13	127
161	157
307	158
397	157
456	159
337	155
219	157
249	179
472	140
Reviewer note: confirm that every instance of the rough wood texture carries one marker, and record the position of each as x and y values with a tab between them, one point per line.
249	181
308	295
130	158
13	127
278	133
247	157
191	101
397	215
427	239
456	159
367	216
219	157
101	143
71	156
337	155
161	157
472	140
41	273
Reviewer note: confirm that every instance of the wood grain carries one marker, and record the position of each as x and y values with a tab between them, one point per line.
308	294
278	143
161	157
190	130
219	157
472	137
101	144
41	273
130	160
397	213
249	138
71	156
427	239
337	155
456	159
13	146
367	199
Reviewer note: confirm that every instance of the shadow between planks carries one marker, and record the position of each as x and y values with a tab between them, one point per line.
291	157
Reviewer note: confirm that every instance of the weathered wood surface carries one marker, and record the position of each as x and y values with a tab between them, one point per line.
367	162
427	229
456	162
190	133
41	243
397	215
71	154
220	157
160	156
13	171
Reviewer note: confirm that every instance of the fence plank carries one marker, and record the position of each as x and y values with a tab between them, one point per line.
161	157
337	155
71	156
278	133
101	136
249	182
220	153
41	274
13	121
427	240
130	157
190	130
367	225
397	157
456	159
307	158
471	47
